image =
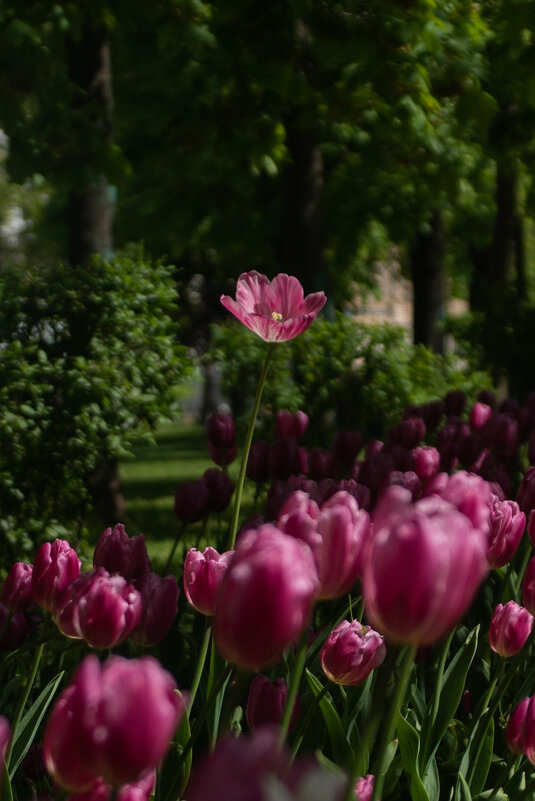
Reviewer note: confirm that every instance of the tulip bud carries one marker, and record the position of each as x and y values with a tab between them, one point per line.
510	627
134	710
507	524
351	652
265	599
221	438
520	730
191	501
265	703
426	461
290	425
116	552
17	588
98	608
55	565
203	573
364	787
159	599
422	568
220	489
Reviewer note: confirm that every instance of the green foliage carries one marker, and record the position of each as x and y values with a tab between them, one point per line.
342	373
88	365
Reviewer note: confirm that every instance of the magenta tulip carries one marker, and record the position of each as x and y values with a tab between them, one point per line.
343	529
55	566
520	730
275	310
510	627
99	608
470	493
118	553
221	431
422	567
426	461
266	597
159	599
134	791
115	721
203	573
479	415
17	587
290	425
351	652
265	703
5	734
507	525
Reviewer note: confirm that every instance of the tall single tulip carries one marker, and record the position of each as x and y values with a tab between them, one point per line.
266	597
275	310
115	721
118	553
351	652
423	565
509	629
55	565
203	573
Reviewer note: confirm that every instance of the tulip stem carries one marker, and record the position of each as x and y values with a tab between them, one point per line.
246	448
295	680
22	703
381	766
436	697
200	663
173	549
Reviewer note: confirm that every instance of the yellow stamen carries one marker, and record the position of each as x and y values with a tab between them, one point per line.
276	316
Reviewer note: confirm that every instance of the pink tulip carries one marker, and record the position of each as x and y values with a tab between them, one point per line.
364	787
99	608
351	652
5	734
265	703
159	599
510	627
275	310
520	730
343	529
17	588
290	425
265	599
479	415
203	573
118	553
55	565
426	461
135	791
423	565
507	525
114	722
470	493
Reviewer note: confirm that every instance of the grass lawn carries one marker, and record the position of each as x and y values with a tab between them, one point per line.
149	481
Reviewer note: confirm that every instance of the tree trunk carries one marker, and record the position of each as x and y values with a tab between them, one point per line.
303	237
428	285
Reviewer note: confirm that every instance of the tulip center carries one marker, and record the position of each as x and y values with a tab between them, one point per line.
276	316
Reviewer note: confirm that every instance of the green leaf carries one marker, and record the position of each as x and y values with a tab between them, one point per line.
174	773
6	793
409	746
30	722
453	685
342	751
462	790
484	759
495	795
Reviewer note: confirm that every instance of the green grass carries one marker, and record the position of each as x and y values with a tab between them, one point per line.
149	481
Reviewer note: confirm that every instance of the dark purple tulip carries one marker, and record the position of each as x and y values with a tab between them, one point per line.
265	703
454	402
345	449
159	597
432	413
257	463
408	432
374	470
13	628
291	425
221	430
525	496
116	552
531	448
319	464
17	588
191	501
33	763
407	479
222	456
488	397
55	566
373	446
531	527
282	458
528	587
360	493
220	488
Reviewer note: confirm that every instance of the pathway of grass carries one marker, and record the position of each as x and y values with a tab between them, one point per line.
150	479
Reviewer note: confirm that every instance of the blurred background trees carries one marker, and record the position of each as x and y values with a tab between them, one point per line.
317	138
